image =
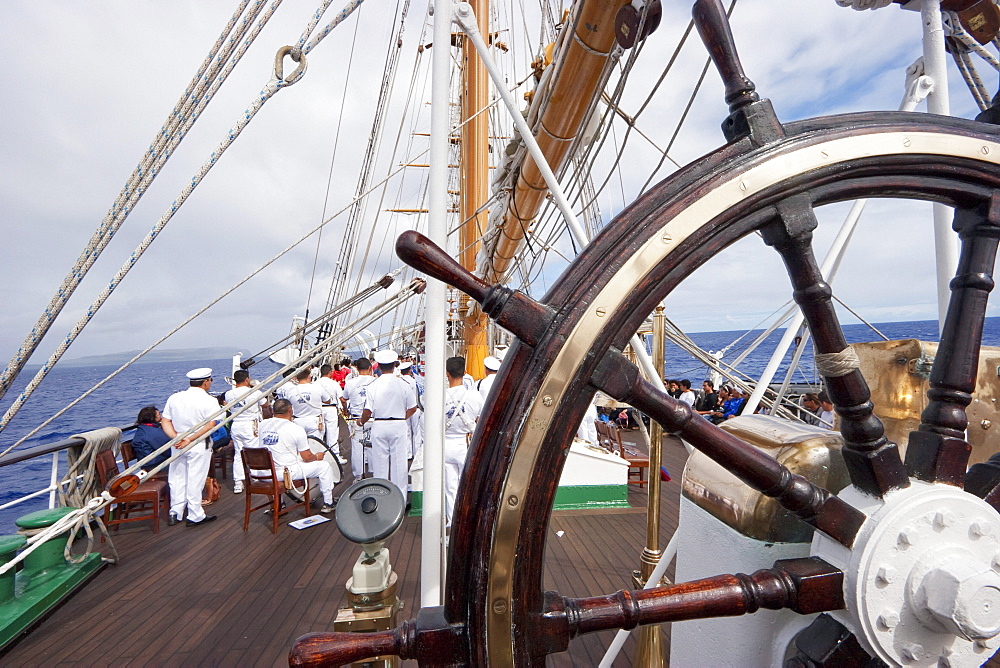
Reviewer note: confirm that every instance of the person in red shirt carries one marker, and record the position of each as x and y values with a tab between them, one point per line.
341	372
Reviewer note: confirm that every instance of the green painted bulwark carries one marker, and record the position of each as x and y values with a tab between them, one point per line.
37	594
591	496
567	498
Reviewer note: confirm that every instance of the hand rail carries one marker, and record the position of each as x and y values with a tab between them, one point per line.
47	449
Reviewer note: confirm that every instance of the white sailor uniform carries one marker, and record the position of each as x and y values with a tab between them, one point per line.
462	408
307	405
186	475
244	426
355	391
331	412
416	421
389	398
483	386
286	440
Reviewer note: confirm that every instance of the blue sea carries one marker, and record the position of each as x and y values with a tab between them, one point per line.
118	402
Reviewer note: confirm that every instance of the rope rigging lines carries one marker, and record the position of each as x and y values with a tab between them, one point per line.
277	82
187	109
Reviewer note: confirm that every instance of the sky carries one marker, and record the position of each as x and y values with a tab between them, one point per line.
87	86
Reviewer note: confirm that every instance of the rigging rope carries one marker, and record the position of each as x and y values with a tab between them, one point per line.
176	329
277	82
171	133
345	260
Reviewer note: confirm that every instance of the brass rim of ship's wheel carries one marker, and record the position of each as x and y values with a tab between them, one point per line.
507	493
905	562
496	612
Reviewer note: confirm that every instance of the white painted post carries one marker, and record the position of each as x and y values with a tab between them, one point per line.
936	67
432	520
54	479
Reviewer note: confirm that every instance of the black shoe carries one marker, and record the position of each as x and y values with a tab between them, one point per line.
295	498
208	518
271	510
172	520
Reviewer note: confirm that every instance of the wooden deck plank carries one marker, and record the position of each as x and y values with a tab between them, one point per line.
252	593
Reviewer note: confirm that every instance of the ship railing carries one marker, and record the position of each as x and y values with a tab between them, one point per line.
55	449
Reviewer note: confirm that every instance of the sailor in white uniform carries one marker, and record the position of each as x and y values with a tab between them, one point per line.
307	400
355	391
244	425
187	474
389	402
290	449
331	410
462	407
492	365
416	422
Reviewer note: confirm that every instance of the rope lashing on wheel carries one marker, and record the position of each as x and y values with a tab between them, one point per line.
836	365
861	5
188	108
276	83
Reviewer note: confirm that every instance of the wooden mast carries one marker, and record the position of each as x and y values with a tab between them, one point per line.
580	62
474	185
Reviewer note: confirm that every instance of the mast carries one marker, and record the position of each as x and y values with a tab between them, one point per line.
581	56
474	186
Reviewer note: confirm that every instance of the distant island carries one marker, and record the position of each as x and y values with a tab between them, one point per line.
154	356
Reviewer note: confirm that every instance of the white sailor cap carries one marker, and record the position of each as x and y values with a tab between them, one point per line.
492	363
403	366
204	373
386	357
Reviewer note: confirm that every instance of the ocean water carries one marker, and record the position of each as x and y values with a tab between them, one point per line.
118	402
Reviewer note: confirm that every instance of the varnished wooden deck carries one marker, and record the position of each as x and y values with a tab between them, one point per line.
215	595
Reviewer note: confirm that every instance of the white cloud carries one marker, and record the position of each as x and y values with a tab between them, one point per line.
88	85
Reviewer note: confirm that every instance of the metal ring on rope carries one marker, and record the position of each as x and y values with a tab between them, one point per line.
279	65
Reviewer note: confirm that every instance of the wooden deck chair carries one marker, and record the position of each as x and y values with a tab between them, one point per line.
261	478
150	495
633	455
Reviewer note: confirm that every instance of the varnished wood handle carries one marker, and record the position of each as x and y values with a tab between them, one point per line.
421	253
338	649
713	26
806	586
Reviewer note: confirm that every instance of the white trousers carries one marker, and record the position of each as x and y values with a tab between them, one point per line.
331	416
186	478
311	425
390	450
321	471
455	450
357	447
416	424
242	434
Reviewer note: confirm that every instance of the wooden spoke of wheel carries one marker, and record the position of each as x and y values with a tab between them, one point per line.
806	586
826	643
938	451
873	463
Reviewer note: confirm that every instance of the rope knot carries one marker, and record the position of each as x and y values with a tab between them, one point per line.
835	365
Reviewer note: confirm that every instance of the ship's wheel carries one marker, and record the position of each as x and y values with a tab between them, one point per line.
905	561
